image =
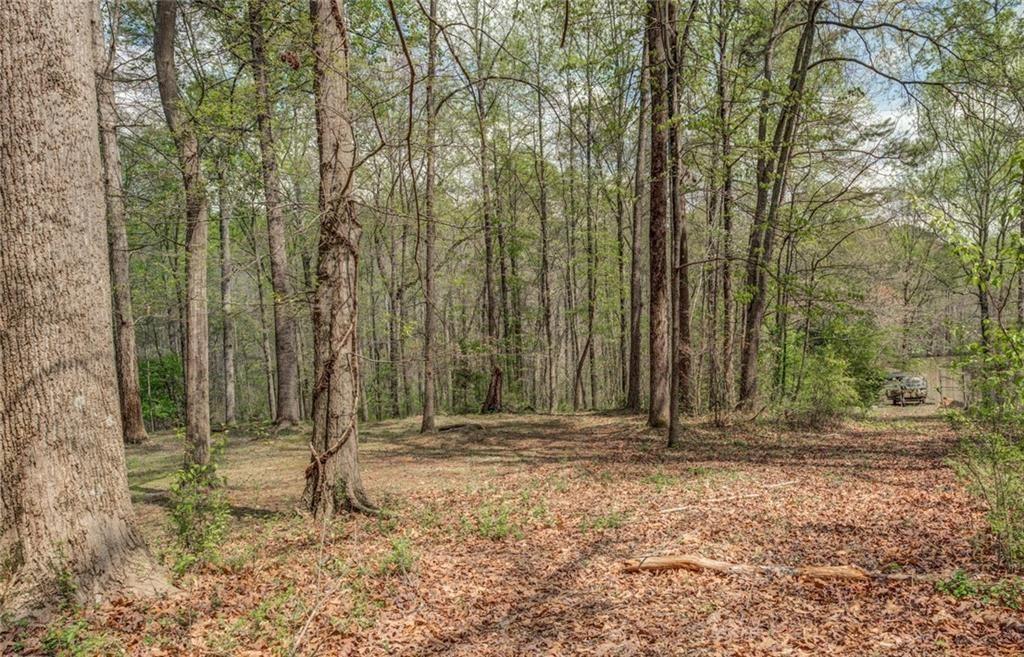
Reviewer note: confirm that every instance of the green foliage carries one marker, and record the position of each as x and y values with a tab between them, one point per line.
494	523
161	381
612	520
400	560
991	454
858	343
826	394
199	515
75	639
1006	592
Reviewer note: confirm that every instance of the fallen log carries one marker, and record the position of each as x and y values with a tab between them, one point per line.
699	563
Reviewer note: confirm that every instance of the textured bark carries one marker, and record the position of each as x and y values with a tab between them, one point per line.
333	480
65	511
429	393
285	343
636	302
117	243
659	329
197	337
681	385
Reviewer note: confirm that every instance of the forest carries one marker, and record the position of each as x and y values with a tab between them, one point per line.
511	327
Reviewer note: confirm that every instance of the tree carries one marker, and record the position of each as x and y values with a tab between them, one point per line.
659	326
429	393
333	480
197	339
285	344
65	512
117	238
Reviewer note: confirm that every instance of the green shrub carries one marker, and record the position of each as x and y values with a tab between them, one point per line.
161	383
199	515
991	454
826	394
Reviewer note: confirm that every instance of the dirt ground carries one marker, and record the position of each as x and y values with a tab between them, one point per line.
508	537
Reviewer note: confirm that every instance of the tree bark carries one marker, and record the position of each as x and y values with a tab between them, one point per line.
125	354
681	386
284	317
65	511
429	394
659	328
333	481
197	338
548	370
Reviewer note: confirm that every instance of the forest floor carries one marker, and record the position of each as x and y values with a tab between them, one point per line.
508	538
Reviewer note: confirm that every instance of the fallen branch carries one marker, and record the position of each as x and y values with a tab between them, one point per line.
698	563
455	427
729	497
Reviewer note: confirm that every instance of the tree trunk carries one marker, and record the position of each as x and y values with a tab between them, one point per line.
724	116
428	425
771	173
548	370
197	338
67	529
636	302
227	310
333	480
284	317
117	241
681	385
492	402
659	329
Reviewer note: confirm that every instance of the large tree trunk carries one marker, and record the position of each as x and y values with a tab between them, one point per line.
197	338
636	302
66	520
285	343
681	385
429	393
117	242
724	117
659	329
333	480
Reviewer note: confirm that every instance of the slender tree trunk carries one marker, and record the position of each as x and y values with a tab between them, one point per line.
636	302
197	339
548	370
659	327
762	233
591	241
492	402
333	481
66	519
226	308
284	318
117	241
429	393
724	116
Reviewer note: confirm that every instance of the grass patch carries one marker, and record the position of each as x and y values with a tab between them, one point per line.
612	520
1007	592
